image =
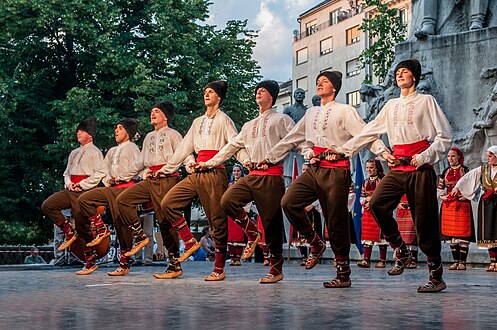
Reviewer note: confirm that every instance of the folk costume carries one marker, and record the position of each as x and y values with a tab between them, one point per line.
206	136
371	233
158	148
236	235
416	126
85	167
119	163
322	127
484	178
456	216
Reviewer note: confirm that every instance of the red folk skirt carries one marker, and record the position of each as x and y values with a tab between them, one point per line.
370	229
235	233
456	220
406	226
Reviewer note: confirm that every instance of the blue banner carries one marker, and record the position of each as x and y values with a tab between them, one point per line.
357	211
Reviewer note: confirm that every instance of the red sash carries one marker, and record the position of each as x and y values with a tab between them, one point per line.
275	170
341	163
488	194
78	178
125	184
407	151
155	168
205	155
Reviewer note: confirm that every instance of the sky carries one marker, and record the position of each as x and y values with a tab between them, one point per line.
275	20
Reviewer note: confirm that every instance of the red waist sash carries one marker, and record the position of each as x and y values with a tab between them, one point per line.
155	168
488	194
407	151
78	178
124	184
275	170
341	163
205	155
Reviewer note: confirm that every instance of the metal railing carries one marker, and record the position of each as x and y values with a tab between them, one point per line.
341	17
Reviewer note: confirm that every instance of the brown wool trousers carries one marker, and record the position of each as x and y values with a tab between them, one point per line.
420	188
266	191
209	186
143	192
106	196
331	187
65	199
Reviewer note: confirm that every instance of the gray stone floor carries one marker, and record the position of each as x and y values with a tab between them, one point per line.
55	298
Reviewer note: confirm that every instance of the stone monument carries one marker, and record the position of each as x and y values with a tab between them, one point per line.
296	111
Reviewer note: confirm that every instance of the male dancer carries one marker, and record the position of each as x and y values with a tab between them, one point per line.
327	126
158	147
265	186
85	168
119	163
420	136
207	135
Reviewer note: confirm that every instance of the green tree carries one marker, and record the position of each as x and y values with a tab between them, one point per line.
62	61
385	30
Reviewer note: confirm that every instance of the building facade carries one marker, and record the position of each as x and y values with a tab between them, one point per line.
329	39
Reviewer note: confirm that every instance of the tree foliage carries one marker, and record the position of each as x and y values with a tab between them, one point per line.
385	30
62	61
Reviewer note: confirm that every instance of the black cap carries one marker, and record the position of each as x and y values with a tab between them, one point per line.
220	87
271	86
89	125
335	77
167	109
130	125
412	65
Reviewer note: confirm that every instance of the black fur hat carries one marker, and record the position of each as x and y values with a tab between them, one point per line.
89	125
130	125
219	86
412	65
271	86
167	109
335	77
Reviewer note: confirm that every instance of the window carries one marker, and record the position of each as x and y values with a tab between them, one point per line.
353	35
311	27
327	69
335	17
301	56
302	83
403	16
354	98
353	68
326	46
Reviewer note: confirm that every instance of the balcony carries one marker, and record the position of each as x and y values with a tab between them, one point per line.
343	15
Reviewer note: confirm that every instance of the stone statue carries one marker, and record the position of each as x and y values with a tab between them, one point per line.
429	12
427	85
484	131
373	96
316	101
298	109
377	95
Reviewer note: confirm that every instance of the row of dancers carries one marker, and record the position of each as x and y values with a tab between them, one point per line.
327	136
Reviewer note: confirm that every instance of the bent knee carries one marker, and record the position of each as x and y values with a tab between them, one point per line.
45	207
